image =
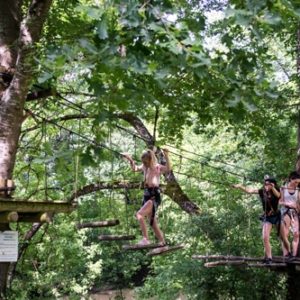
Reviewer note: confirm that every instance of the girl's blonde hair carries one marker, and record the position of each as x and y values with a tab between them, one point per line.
152	158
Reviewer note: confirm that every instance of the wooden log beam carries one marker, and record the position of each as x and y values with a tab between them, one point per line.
116	237
114	185
140	247
243	263
227	257
240	263
9	216
35	206
164	250
272	265
96	224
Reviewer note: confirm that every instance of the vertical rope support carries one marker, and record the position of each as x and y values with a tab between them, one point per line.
126	198
155	124
112	174
76	160
44	135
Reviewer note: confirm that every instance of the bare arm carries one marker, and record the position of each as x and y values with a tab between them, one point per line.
133	166
245	189
275	192
167	167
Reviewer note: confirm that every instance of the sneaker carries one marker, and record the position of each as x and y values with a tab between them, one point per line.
162	244
143	242
267	260
291	258
288	256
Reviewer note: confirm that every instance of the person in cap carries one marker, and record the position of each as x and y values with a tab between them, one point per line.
290	204
269	195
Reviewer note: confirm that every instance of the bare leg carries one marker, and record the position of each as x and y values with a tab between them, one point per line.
158	233
284	233
295	236
143	212
266	231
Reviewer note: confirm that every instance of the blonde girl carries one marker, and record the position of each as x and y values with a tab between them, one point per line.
151	200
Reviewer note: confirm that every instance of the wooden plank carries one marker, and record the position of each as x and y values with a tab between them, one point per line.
140	247
271	265
36	206
164	250
227	257
240	263
116	237
97	224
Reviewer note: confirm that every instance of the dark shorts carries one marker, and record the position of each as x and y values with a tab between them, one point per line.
273	219
154	195
292	213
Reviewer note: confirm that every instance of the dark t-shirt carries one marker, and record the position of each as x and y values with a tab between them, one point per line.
269	203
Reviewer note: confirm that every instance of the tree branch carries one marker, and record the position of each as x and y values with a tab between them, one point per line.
91	188
173	189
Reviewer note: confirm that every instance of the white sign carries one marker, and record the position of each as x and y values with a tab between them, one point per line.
8	246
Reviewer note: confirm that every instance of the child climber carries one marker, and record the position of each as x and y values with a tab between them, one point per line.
151	200
269	195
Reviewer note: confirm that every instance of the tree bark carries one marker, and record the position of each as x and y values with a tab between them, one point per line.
17	40
173	189
29	235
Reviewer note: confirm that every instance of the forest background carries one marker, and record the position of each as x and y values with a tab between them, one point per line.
216	82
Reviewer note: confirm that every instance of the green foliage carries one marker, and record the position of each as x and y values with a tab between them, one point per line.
222	94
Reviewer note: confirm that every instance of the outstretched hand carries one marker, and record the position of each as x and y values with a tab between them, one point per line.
166	151
236	185
125	155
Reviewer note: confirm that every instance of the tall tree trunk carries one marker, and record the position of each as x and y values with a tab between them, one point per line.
17	39
293	275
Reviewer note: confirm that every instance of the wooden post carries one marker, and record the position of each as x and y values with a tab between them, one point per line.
9	216
2	186
3	268
10	186
6	187
39	217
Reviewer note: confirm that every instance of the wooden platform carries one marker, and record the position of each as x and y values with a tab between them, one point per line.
13	210
243	261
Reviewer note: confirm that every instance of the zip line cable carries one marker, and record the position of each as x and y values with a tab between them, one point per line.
138	136
206	180
100	145
79	108
184	150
